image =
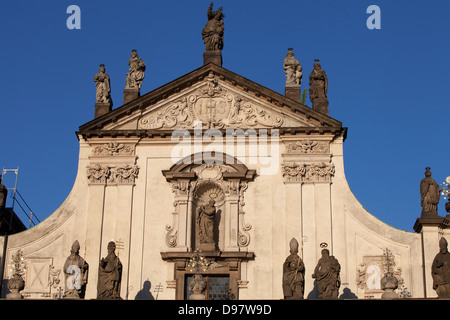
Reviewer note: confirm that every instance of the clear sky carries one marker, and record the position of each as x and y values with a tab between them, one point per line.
389	86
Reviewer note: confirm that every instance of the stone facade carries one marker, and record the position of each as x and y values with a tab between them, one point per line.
275	169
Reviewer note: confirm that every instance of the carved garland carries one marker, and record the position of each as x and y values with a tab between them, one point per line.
317	172
113	149
307	146
122	174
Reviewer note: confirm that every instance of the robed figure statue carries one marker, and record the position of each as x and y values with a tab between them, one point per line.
212	33
327	276
76	274
109	275
103	86
293	274
205	225
429	194
440	270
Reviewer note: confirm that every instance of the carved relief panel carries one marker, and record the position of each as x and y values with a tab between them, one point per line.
372	270
215	107
112	163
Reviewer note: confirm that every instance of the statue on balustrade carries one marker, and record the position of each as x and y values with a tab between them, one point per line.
327	275
109	275
440	270
76	274
429	194
293	274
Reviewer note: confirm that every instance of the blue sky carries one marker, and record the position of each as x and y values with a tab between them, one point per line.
388	86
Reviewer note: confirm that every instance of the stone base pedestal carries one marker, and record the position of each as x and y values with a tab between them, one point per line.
207	247
428	220
102	108
129	94
214	56
321	106
293	92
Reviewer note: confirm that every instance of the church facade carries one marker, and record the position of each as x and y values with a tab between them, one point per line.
214	174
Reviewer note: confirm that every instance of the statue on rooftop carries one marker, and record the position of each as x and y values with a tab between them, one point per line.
440	270
293	273
109	275
212	33
292	69
318	87
102	82
327	276
136	71
429	194
76	274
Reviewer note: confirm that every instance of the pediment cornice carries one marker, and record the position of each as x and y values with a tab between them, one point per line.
265	107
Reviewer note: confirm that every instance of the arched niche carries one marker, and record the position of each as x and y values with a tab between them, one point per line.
197	179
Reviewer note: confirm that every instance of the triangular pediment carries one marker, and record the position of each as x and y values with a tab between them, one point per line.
210	97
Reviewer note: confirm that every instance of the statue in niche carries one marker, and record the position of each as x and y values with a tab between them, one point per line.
327	276
109	275
292	69
293	274
212	33
440	270
318	87
429	194
136	74
102	82
205	224
3	194
76	274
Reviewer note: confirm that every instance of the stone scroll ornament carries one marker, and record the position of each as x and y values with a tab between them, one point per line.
103	86
214	107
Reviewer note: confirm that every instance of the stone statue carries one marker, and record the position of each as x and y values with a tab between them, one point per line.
440	270
292	69
197	285
429	194
102	82
3	194
76	274
293	274
205	223
212	33
136	74
327	276
109	275
318	87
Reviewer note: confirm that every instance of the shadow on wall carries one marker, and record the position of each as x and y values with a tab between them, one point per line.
346	293
144	293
